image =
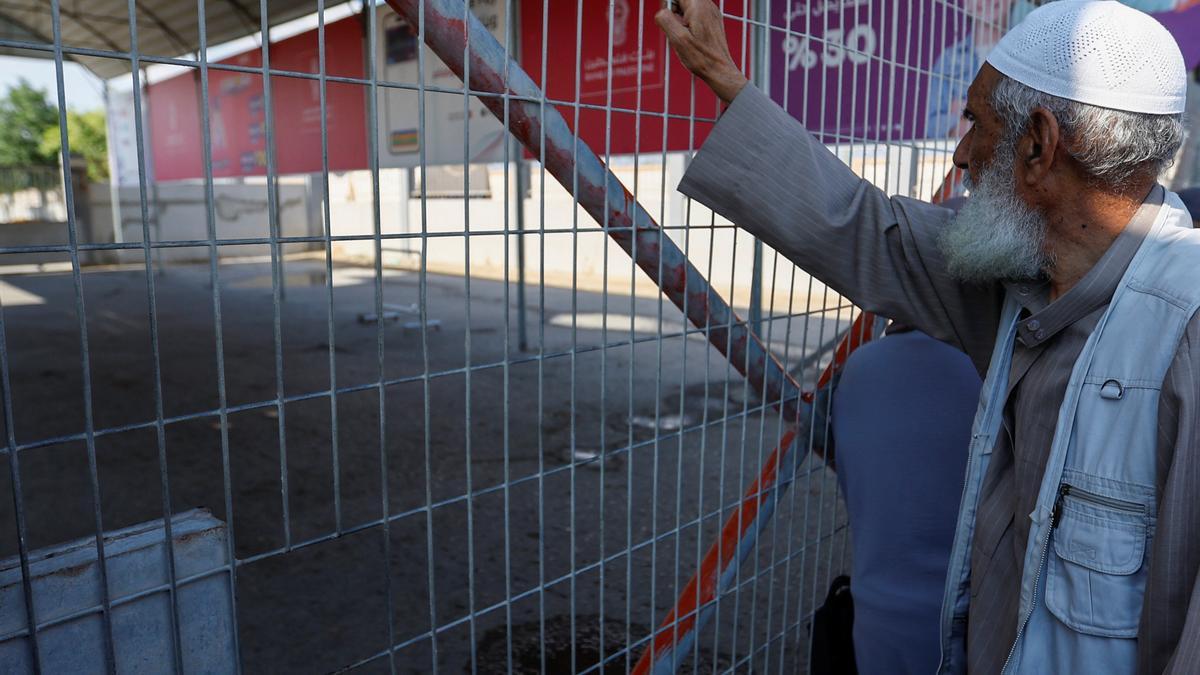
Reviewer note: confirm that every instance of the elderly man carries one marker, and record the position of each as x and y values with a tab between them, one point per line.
1071	278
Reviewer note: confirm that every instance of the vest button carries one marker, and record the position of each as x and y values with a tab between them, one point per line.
1035	324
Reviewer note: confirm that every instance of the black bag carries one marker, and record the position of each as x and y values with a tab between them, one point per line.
832	632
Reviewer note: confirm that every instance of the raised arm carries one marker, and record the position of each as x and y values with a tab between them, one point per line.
762	170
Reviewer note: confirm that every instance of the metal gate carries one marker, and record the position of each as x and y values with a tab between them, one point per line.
435	417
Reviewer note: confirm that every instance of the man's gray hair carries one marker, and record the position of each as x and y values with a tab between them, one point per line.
1112	146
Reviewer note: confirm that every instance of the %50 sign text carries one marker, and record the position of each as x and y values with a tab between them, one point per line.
836	47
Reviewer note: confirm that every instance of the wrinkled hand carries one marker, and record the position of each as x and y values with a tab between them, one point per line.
698	38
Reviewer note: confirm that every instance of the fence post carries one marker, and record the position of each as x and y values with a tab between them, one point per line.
83	204
760	74
522	186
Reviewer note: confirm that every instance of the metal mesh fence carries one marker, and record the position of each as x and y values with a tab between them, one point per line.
442	434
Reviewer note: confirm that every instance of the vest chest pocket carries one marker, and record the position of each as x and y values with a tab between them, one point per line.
1096	573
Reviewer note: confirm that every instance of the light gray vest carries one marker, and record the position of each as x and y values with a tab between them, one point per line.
1088	550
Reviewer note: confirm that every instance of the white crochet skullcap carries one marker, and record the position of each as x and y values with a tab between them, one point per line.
1099	52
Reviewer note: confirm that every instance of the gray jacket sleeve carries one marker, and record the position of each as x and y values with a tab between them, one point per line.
760	169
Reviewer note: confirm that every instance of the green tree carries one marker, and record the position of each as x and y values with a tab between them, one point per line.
27	114
87	136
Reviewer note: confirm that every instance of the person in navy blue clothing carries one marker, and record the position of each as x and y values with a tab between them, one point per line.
901	423
1191	201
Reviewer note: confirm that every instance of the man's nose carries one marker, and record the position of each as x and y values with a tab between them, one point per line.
961	154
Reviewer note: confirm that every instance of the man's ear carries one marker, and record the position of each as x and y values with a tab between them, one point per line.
1037	149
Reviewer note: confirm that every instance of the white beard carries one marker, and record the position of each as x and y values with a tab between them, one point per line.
995	236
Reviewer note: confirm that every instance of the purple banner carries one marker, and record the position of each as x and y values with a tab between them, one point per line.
1184	24
871	69
880	70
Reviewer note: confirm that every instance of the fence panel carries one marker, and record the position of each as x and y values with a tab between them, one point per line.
441	426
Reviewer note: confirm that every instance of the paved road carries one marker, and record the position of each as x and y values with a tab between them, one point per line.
320	607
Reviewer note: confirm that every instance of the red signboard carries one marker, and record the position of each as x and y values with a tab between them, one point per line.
577	49
237	115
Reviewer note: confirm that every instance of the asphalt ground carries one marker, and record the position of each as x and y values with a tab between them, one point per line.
589	501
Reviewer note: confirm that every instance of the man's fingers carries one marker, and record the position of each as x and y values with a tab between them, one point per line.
672	25
693	9
698	39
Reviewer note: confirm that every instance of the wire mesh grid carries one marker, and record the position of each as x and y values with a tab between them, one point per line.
427	460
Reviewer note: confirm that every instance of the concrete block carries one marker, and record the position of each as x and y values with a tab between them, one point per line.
66	590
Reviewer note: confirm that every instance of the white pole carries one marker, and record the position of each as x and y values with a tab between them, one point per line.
114	188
